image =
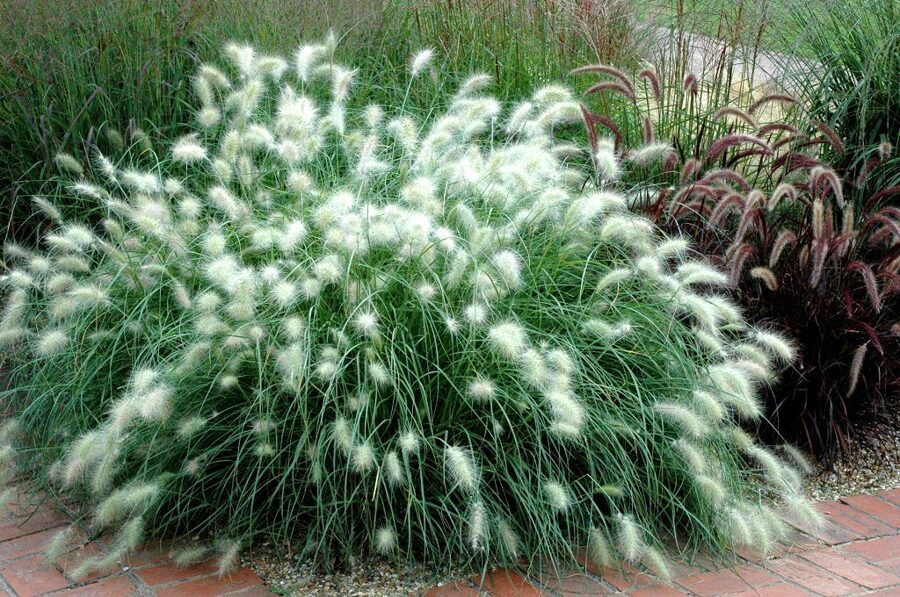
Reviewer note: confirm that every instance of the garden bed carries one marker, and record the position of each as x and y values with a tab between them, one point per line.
871	460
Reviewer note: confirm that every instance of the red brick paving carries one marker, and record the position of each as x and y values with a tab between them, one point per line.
779	590
27	529
857	520
211	586
659	590
876	507
117	586
505	582
573	585
891	495
33	575
166	573
876	551
857	552
813	578
724	582
627	579
853	569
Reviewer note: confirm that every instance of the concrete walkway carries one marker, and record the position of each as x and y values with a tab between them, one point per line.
857	552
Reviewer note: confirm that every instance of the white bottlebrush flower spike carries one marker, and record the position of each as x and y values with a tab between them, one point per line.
410	326
508	339
366	323
52	342
482	388
409	442
420	61
385	540
629	537
188	150
462	468
557	495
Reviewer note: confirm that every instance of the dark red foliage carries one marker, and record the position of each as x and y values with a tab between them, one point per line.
824	251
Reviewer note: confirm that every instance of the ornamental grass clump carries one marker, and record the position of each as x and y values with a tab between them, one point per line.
371	333
810	249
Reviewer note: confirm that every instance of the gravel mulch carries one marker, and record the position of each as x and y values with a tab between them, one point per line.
374	578
870	463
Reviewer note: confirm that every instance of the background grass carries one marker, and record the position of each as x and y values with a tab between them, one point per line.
854	85
71	68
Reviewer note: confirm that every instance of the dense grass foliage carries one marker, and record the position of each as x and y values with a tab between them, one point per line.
74	71
748	23
847	76
369	332
808	249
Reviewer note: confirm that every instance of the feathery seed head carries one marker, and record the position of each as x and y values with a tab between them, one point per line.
709	405
711	488
802	510
363	458
156	405
598	547
328	269
476	314
654	560
284	294
385	540
409	442
420	61
188	150
557	495
343	435
692	456
683	417
735	389
191	426
607	330
366	323
190	555
510	538
51	342
393	470
508	339
67	163
477	525
462	468
482	388
379	374
607	162
629	537
228	556
294	327
779	346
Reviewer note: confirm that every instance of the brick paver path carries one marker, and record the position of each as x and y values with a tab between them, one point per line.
856	552
28	527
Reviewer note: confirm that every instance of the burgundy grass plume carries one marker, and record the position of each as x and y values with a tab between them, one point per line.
733	140
772	97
